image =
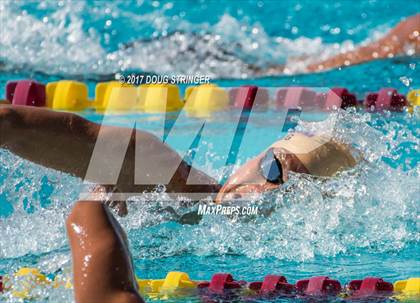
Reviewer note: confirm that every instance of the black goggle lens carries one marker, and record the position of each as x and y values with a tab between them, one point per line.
271	168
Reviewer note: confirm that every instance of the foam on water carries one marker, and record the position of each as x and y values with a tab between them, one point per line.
38	201
373	207
41	198
58	41
52	43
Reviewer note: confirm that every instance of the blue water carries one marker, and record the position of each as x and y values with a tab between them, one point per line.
362	223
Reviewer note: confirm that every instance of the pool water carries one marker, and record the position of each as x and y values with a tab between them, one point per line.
364	222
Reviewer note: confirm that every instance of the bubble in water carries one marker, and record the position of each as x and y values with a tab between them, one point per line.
405	80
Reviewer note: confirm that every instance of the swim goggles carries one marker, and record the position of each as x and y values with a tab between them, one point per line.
271	168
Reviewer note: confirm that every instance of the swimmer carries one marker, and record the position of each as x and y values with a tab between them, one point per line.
65	142
402	40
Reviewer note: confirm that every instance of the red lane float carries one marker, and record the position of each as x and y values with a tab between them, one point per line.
370	287
243	97
248	97
348	99
221	282
25	92
385	99
318	286
296	97
271	284
337	97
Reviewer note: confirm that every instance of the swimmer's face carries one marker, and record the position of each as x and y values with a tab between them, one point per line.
248	180
313	155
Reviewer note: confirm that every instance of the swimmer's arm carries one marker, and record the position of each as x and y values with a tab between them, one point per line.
101	260
56	140
393	44
65	142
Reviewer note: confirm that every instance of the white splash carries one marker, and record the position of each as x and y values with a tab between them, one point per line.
58	43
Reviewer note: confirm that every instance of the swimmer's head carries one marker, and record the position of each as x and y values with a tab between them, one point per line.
271	168
266	172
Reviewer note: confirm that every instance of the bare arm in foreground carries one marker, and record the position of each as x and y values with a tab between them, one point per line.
102	266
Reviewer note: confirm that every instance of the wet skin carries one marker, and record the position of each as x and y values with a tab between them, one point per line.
102	266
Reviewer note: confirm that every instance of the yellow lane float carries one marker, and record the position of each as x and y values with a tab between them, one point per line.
159	98
408	289
174	282
413	98
203	100
115	97
67	95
